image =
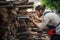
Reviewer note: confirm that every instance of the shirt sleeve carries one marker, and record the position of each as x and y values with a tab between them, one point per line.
45	21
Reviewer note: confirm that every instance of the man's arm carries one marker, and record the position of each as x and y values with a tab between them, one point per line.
39	19
31	18
36	24
43	23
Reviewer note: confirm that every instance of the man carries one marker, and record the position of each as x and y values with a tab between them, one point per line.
48	19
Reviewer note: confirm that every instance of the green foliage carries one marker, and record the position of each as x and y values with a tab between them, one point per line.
53	4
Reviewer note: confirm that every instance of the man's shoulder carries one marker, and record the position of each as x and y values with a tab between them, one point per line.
50	14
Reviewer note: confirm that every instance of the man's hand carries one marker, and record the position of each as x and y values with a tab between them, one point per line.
31	17
35	16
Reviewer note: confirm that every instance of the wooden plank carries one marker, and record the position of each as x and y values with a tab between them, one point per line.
9	3
24	6
20	2
28	3
27	12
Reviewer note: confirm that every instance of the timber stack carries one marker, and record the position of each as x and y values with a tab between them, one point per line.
15	20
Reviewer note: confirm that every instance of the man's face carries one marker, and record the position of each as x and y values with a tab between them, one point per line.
39	12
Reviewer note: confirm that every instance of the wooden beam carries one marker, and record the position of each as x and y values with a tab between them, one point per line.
28	3
9	3
24	6
26	12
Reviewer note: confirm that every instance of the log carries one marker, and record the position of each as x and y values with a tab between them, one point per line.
24	6
28	3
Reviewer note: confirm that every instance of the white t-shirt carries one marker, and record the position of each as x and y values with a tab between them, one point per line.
50	19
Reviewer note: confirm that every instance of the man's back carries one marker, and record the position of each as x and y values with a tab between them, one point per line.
54	20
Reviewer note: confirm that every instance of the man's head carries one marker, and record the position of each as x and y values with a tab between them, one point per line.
40	9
